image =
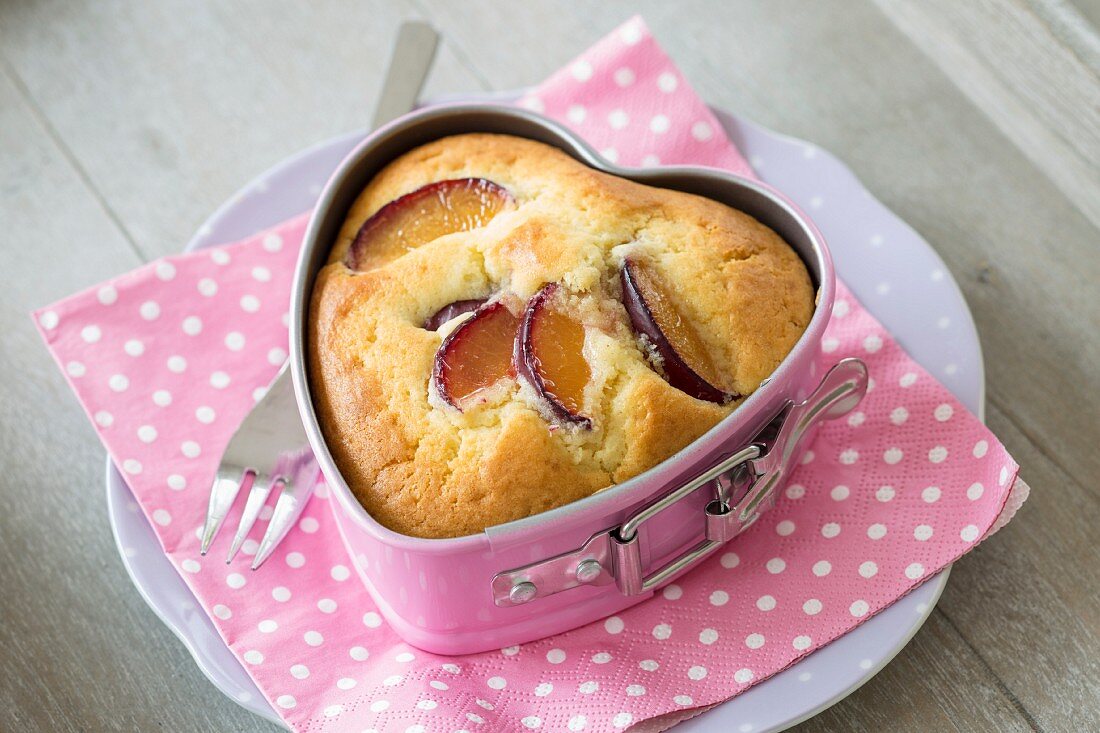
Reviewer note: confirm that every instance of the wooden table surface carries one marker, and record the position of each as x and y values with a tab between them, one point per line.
122	125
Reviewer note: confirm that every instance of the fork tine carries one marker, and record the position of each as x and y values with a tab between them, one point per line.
257	497
288	508
222	494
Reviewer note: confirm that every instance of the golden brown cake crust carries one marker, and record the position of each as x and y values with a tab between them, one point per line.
423	468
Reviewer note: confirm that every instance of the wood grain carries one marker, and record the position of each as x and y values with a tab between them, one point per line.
1089	9
909	693
953	174
1026	600
1034	74
202	96
81	650
122	125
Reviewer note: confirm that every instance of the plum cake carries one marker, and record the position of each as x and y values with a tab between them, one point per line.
500	330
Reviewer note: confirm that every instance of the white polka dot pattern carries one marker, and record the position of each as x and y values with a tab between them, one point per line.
885	499
672	126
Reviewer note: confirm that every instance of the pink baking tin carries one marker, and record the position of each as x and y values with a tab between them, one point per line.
567	567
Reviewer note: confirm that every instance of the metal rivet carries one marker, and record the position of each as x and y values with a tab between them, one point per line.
588	571
522	592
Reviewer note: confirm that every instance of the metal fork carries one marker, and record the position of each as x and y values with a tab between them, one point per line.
270	448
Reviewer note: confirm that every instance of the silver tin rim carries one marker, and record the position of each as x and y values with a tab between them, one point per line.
439	121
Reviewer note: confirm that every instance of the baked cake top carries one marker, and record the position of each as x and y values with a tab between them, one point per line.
612	324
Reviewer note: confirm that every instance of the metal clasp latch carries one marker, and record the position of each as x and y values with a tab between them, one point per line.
767	460
722	523
744	482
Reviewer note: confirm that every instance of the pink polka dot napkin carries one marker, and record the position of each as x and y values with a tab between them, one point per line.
168	359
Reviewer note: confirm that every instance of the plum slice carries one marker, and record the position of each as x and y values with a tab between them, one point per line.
680	351
452	310
549	354
476	355
429	212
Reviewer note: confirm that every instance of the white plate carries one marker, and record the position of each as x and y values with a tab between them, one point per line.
894	272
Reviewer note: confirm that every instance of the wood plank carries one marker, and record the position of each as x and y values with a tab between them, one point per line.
1024	255
1089	9
1035	75
924	148
203	96
909	694
154	152
154	160
1026	599
81	649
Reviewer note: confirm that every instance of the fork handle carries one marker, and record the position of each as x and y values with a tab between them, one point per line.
410	61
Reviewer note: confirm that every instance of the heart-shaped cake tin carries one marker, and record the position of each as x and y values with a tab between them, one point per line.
581	562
